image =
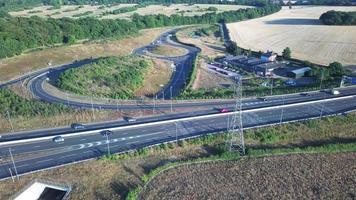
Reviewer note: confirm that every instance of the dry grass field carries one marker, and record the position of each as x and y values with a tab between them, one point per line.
66	11
299	29
71	11
167	50
27	62
298	176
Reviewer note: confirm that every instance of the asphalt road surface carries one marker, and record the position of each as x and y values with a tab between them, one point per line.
44	154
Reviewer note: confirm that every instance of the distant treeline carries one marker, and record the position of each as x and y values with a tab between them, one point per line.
23	4
328	2
18	34
333	17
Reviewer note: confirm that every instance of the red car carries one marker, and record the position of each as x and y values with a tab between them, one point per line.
224	110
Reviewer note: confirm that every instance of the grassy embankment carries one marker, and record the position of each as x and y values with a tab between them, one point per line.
113	77
89	181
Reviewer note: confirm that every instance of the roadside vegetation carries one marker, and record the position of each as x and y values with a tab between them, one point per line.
12	105
333	17
113	77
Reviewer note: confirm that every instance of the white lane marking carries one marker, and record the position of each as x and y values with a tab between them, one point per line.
98	143
90	144
44	160
70	155
87	151
37	146
178	120
83	139
24	165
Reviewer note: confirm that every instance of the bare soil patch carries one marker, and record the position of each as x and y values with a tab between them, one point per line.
298	176
299	29
25	63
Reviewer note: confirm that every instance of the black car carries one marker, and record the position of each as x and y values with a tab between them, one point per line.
77	126
305	94
106	133
262	98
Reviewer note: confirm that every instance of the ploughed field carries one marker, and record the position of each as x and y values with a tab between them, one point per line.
295	176
300	29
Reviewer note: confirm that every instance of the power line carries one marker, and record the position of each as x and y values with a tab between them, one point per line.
235	132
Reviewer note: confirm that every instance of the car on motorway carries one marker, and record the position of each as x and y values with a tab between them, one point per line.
106	132
305	94
262	98
58	139
77	126
130	119
224	110
335	92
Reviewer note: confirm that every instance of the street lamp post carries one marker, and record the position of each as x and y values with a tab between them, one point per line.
13	162
176	133
9	119
171	99
108	145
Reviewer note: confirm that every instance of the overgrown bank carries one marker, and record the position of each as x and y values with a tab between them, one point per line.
112	77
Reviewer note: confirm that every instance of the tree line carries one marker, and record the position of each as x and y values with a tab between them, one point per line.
14	105
23	4
333	17
18	34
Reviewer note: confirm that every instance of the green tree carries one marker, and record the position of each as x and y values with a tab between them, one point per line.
69	39
336	69
287	53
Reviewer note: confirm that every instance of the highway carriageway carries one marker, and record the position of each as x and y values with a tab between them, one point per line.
43	153
251	103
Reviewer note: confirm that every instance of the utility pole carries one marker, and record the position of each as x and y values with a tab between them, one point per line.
13	162
108	145
281	119
176	133
271	86
236	138
321	78
9	119
171	100
322	108
154	104
12	176
342	81
163	95
67	98
92	108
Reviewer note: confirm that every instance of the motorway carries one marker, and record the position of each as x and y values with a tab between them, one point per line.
42	154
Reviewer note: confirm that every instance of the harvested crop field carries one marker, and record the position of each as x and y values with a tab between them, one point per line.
299	29
100	11
296	176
